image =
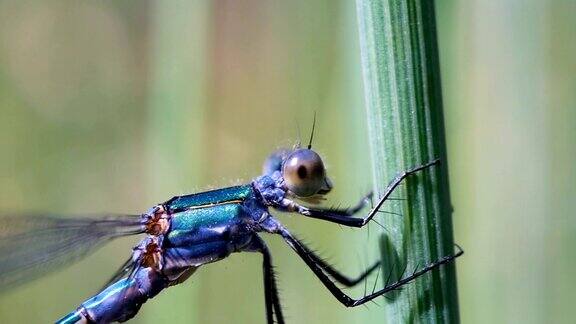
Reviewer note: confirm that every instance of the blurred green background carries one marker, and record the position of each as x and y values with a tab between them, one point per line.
118	105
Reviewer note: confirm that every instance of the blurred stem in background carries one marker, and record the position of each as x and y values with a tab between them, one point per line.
83	129
512	130
176	121
405	118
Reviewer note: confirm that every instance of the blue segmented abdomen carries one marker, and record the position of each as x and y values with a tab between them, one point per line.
120	301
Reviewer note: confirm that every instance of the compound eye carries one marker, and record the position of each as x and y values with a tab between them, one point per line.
304	173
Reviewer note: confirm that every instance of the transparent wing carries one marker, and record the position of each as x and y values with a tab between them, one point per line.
124	271
32	245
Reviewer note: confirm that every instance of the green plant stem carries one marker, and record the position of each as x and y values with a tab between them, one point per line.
405	123
176	112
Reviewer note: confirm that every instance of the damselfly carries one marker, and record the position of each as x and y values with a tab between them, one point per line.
186	232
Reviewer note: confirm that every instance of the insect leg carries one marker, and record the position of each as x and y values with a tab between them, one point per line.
343	217
270	290
346	300
337	275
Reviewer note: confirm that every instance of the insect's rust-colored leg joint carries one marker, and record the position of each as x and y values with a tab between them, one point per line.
156	221
149	253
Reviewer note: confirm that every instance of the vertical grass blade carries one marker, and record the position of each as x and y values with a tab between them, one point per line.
177	108
405	123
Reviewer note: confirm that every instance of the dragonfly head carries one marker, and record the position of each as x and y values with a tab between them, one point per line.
303	171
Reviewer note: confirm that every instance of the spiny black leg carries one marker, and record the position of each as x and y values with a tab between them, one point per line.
337	275
270	290
356	208
346	300
343	217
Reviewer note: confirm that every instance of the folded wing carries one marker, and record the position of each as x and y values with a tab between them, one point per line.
33	245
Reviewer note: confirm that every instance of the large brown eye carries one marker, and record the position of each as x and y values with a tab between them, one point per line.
304	173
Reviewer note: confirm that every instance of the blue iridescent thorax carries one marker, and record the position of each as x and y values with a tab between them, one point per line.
208	226
200	225
218	196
